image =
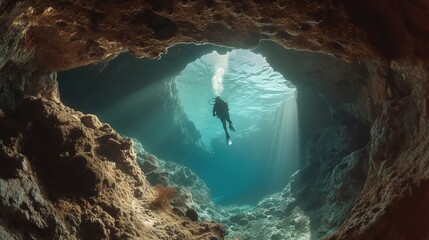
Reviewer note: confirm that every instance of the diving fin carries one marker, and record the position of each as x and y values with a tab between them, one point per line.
231	128
229	141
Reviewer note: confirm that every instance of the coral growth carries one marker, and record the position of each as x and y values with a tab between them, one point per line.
163	197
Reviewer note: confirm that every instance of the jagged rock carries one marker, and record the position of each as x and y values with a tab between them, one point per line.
349	175
91	121
277	216
87	186
191	214
191	195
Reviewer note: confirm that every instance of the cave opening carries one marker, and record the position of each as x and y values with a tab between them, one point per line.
165	104
157	103
262	106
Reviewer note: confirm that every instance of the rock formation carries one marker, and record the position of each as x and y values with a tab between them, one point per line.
382	82
86	185
192	194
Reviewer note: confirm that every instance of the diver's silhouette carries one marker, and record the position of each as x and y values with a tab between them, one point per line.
221	110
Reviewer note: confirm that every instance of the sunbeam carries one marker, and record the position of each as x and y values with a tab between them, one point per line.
263	110
284	147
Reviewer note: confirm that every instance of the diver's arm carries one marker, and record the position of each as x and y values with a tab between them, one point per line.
214	110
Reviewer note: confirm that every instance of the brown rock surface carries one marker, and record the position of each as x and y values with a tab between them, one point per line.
64	175
40	37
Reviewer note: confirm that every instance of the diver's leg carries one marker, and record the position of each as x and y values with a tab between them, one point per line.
230	123
228	118
224	125
228	138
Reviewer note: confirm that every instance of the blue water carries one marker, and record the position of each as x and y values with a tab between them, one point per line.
251	87
265	151
263	109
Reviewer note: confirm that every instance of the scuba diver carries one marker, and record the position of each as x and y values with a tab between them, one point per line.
221	110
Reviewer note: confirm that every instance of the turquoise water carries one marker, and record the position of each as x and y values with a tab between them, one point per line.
130	95
263	110
251	87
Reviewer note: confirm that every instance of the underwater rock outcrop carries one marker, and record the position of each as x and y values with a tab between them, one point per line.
193	196
315	203
41	37
319	197
86	186
330	183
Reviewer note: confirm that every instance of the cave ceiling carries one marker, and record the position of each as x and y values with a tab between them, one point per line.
59	35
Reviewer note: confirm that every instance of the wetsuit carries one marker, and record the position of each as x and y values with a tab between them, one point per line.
221	110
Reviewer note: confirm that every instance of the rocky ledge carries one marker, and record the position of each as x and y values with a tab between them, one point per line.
65	175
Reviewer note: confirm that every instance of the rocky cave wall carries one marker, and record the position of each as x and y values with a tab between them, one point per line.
95	88
386	41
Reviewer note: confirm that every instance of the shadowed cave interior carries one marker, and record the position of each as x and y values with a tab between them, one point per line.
89	134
